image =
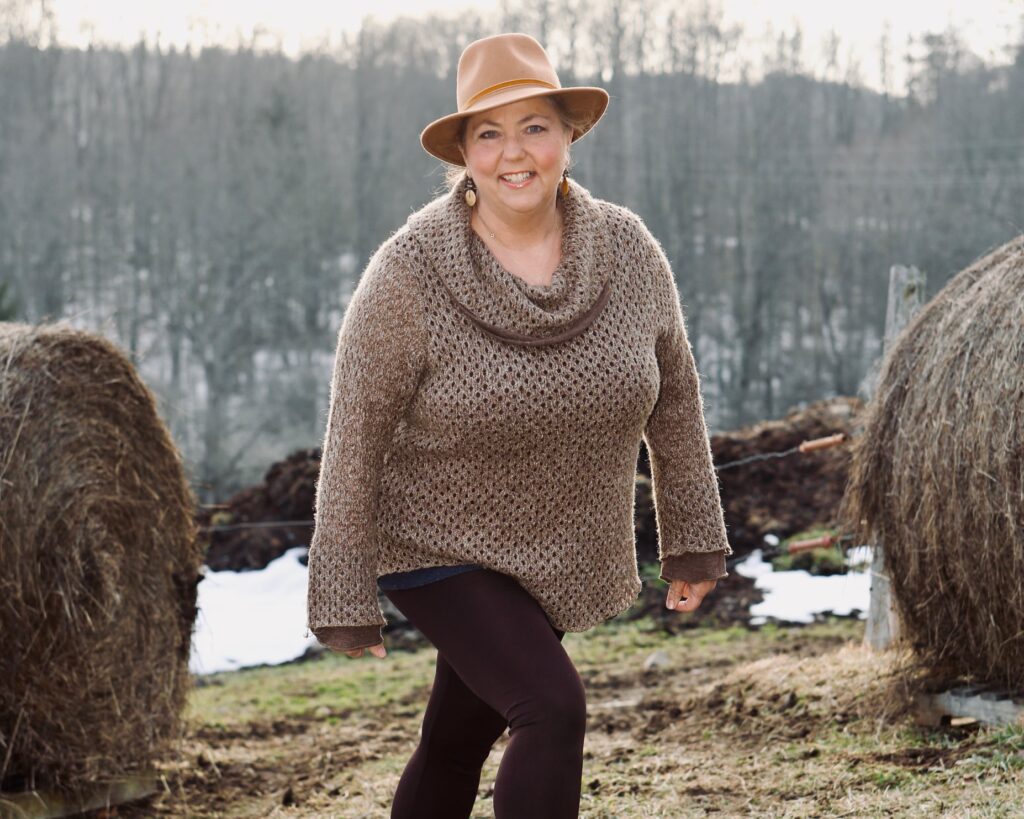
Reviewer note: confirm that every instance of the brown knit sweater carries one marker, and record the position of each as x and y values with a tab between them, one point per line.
477	418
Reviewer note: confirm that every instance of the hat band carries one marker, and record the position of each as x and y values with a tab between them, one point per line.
507	84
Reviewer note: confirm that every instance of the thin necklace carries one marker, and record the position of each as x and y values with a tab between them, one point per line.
491	233
556	249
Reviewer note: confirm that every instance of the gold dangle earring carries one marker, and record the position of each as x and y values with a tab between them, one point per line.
470	191
565	182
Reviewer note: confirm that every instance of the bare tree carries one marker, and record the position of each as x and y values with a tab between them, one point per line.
212	209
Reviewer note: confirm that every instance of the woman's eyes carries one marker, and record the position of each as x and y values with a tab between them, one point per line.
484	134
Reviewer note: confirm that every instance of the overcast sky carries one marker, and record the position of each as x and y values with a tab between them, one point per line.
300	24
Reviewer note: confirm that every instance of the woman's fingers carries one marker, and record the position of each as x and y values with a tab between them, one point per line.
689	602
376	651
677	590
685	596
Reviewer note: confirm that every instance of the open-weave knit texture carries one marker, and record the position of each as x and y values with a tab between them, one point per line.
477	418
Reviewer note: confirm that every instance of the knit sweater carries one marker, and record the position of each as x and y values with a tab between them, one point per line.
477	418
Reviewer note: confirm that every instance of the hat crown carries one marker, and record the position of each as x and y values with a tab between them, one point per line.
499	62
497	71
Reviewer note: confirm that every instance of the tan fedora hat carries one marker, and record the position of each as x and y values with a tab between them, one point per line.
498	70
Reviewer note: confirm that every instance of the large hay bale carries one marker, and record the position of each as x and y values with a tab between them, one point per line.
938	475
99	563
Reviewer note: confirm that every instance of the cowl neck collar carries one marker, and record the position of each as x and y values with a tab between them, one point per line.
503	304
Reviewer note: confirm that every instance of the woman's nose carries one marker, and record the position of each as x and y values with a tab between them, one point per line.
513	147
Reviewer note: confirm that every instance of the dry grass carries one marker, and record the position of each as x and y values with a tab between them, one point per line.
791	722
98	562
938	474
849	683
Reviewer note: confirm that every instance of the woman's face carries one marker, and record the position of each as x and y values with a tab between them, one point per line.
521	137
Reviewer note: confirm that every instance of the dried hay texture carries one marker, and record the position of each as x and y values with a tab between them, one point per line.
938	475
99	563
793	696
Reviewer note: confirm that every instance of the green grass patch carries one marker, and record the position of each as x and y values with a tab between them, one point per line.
297	689
1001	749
651	573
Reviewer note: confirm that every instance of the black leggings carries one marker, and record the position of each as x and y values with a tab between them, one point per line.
500	663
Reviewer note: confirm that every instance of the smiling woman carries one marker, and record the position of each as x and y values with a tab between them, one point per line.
503	357
516	156
572	121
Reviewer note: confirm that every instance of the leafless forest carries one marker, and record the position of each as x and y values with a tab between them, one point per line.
211	209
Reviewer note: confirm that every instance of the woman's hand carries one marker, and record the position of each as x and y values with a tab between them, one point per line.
686	596
376	651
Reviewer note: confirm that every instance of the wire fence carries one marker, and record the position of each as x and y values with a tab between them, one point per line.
804	447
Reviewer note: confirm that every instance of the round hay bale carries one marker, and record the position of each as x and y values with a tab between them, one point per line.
938	475
99	564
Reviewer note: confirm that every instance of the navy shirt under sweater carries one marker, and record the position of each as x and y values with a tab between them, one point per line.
420	577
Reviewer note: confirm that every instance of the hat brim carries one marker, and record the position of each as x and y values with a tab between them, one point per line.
439	138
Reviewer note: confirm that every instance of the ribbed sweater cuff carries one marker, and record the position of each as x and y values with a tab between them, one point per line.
694	567
348	638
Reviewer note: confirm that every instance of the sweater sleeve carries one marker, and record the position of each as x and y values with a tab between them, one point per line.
692	540
380	357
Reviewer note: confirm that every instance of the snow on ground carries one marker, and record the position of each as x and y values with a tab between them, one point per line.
251	618
796	596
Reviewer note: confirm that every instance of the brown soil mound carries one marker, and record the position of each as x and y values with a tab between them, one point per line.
783	496
286	494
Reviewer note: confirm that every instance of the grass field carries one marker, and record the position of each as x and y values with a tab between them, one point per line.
775	721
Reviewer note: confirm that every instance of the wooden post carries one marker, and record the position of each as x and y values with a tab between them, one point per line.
883	625
906	296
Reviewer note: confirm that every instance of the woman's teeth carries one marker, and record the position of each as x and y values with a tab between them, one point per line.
517	179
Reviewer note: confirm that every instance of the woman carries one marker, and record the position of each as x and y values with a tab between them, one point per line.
502	357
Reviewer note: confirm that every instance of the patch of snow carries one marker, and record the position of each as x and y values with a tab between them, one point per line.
255	618
796	596
250	618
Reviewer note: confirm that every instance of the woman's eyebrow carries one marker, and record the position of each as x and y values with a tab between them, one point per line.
524	119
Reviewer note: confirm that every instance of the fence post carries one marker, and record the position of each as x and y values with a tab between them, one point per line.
906	296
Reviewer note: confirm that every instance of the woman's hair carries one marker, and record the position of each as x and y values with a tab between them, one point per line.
576	122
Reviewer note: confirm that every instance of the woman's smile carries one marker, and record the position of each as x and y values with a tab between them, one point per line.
517	177
516	153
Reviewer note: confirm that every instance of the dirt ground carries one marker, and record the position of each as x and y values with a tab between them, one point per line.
733	721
